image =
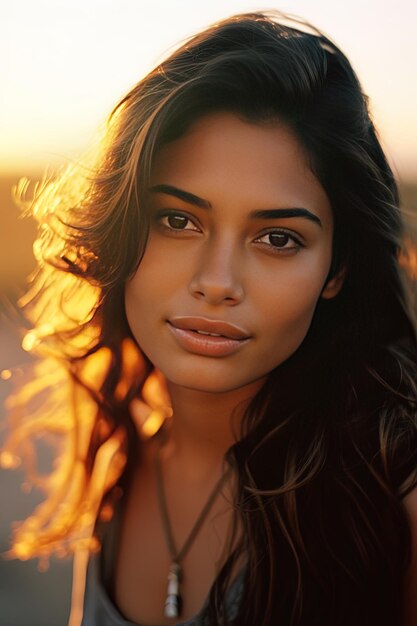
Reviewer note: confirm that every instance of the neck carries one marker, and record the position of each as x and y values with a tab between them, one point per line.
205	425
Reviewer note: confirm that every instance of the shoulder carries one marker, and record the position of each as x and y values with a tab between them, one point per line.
410	505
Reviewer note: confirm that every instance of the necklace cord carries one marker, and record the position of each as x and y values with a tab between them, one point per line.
178	555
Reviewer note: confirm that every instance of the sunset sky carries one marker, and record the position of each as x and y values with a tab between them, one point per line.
65	63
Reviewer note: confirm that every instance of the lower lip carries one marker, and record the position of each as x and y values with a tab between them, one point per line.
206	345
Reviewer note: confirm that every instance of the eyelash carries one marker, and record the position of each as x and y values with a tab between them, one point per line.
280	231
160	216
275	249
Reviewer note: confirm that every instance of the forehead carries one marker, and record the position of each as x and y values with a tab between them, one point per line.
224	158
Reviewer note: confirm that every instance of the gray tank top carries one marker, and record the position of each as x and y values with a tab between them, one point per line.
100	610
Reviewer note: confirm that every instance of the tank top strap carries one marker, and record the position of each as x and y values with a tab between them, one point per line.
109	536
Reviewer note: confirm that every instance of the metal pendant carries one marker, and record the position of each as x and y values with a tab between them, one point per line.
173	599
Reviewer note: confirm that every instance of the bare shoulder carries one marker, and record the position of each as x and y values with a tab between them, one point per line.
410	504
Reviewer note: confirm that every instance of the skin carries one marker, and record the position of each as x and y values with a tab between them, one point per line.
218	263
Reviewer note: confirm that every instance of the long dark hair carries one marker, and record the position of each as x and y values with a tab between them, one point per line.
328	447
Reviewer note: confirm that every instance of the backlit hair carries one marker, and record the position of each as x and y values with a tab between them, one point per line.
328	447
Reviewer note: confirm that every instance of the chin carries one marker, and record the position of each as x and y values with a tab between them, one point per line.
204	385
210	381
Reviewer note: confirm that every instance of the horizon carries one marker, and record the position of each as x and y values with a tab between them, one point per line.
72	60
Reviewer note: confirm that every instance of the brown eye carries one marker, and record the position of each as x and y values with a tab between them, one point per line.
279	240
178	222
174	222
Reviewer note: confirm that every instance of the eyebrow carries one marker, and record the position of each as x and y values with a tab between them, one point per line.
186	196
182	195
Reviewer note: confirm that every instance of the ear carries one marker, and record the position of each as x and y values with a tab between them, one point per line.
334	285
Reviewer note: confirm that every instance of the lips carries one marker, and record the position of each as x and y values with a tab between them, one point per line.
213	327
207	337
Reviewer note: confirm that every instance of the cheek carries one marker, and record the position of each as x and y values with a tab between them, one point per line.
150	281
140	311
139	302
161	271
149	289
293	303
134	309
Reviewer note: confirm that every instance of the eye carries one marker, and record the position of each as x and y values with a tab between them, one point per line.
175	221
280	240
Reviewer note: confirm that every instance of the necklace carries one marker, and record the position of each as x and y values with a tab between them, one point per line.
173	599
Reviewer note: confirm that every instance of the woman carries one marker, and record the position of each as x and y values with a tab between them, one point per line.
233	261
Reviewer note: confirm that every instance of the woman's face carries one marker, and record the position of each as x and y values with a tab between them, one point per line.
240	246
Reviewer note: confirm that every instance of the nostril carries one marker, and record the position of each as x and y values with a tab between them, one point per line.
216	287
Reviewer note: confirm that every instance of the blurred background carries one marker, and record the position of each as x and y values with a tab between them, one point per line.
63	65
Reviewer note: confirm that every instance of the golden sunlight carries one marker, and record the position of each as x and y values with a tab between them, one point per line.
58	93
64	522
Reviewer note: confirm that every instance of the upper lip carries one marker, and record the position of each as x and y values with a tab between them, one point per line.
209	326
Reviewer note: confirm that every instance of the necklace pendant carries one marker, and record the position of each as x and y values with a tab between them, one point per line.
173	599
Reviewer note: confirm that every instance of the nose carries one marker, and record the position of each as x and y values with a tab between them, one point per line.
217	278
